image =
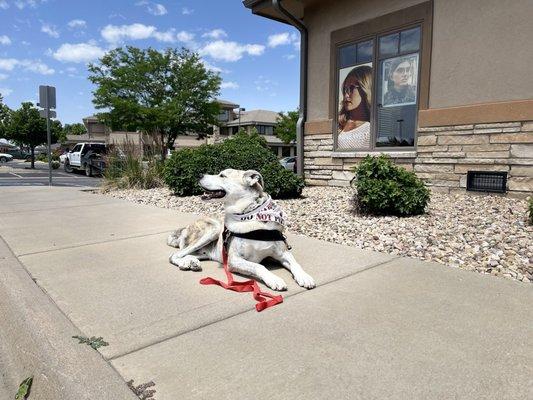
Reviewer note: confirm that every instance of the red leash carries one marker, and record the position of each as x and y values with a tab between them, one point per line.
244	286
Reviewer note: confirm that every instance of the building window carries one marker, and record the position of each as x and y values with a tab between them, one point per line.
265	129
377	91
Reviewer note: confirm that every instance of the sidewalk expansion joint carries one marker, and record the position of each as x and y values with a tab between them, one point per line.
252	310
95	243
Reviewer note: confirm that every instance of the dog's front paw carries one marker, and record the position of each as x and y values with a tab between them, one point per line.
185	263
275	282
304	280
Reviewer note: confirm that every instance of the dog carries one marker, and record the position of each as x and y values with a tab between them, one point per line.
252	230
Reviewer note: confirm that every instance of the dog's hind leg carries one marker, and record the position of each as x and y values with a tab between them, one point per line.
241	266
193	249
175	238
189	262
301	277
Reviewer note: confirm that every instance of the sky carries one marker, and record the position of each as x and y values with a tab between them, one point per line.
50	42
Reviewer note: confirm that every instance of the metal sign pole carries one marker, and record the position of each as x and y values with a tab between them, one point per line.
49	137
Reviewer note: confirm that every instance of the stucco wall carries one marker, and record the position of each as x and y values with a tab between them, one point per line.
321	20
480	49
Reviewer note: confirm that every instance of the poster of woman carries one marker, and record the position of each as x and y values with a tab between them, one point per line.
355	99
399	81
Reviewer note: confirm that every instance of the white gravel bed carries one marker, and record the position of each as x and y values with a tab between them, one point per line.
487	234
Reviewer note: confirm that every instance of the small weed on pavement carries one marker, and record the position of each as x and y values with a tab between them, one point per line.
141	391
24	389
94	342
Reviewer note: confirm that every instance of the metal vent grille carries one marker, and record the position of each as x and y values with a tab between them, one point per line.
483	181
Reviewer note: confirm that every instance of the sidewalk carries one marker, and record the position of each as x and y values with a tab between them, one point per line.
376	326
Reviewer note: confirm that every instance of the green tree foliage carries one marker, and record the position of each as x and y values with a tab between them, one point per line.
26	128
164	94
242	151
285	128
74	129
383	188
5	113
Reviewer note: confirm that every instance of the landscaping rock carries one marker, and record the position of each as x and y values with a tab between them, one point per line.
487	234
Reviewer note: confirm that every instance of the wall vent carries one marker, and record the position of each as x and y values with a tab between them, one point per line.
486	181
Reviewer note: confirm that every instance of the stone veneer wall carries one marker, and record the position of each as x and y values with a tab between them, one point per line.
444	155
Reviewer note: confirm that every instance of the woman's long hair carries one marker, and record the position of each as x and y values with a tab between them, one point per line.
363	75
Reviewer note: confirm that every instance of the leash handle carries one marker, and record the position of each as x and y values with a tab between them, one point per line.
244	286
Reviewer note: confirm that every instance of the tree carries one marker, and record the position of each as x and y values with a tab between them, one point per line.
5	113
74	129
164	94
285	128
26	128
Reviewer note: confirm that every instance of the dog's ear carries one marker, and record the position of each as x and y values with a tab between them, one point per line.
252	177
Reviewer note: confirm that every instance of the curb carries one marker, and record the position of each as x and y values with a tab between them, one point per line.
37	340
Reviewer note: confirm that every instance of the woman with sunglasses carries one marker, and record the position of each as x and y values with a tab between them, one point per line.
399	88
354	111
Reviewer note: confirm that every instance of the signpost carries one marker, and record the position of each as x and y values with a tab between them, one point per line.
47	100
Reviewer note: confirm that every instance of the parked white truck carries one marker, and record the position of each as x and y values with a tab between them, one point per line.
86	157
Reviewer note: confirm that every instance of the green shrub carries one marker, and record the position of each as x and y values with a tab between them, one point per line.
125	170
185	167
386	189
530	210
55	164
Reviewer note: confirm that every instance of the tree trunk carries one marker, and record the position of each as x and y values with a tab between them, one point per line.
32	157
163	147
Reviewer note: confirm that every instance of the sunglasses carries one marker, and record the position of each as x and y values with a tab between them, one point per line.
403	70
349	89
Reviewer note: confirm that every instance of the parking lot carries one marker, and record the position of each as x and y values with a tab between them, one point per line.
18	173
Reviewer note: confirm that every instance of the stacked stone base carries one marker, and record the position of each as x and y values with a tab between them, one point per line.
442	158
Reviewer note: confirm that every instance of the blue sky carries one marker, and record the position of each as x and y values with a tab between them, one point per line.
49	42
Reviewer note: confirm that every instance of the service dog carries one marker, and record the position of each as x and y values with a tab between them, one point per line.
251	230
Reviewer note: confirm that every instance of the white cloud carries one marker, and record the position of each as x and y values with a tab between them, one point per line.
115	34
153	8
5	91
186	11
78	52
25	43
282	39
230	51
37	67
50	30
215	34
4	5
5	40
21	4
289	56
77	23
185	37
8	64
3	76
157	9
229	85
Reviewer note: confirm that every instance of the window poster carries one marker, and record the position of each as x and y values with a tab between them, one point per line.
399	81
355	106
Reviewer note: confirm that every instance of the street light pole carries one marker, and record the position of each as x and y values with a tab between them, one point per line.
240	109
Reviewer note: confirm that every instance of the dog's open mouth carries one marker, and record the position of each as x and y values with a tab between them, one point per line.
213	194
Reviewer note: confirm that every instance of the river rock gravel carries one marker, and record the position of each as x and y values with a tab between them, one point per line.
484	233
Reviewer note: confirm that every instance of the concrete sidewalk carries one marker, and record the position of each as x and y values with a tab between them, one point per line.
377	326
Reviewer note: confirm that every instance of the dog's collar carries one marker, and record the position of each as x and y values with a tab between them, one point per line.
266	212
264	235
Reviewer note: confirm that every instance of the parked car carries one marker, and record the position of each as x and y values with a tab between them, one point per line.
289	163
19	154
4	157
86	157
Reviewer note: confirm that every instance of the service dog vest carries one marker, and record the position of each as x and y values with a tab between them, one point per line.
266	212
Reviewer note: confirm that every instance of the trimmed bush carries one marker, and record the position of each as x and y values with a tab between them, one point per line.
383	188
55	164
185	167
